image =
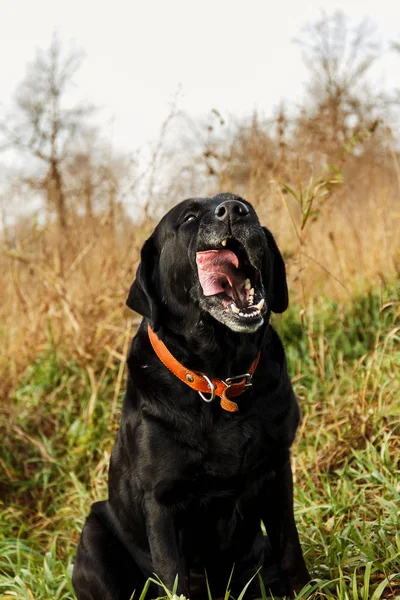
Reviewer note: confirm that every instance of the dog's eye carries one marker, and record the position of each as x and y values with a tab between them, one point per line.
189	217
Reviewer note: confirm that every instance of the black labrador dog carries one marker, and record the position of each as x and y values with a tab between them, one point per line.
192	474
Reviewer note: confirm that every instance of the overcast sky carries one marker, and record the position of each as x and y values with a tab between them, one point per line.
226	54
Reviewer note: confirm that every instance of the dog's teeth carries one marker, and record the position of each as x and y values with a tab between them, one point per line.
251	292
251	300
260	304
241	314
224	241
234	308
247	285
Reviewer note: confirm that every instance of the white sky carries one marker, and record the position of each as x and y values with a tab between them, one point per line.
226	54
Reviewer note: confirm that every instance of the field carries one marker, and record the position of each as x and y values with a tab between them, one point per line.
62	386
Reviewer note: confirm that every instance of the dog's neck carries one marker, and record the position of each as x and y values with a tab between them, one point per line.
213	348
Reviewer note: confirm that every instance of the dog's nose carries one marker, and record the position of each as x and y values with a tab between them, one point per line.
231	210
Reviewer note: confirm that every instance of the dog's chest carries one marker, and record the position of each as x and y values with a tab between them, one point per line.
233	451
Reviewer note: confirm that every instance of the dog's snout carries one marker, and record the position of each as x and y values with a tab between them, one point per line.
231	210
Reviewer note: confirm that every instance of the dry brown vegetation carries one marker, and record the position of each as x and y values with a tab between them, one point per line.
324	177
70	290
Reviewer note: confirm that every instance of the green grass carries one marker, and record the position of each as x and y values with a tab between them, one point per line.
345	362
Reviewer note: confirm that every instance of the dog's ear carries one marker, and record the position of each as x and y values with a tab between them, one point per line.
143	296
278	297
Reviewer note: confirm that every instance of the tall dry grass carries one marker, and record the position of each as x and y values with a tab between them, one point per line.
71	292
76	302
335	213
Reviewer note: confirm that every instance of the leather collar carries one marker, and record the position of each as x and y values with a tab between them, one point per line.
225	389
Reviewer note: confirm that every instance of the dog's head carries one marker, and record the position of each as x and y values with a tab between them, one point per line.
210	256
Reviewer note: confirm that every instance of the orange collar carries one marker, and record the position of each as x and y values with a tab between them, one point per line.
233	386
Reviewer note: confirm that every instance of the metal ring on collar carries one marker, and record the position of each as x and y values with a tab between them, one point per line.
212	390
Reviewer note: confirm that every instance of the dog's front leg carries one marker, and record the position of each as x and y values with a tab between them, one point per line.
278	518
166	553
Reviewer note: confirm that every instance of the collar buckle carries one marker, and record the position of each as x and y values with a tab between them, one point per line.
230	381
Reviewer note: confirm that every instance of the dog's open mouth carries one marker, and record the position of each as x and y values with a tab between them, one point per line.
228	272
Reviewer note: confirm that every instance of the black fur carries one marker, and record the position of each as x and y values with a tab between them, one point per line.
189	482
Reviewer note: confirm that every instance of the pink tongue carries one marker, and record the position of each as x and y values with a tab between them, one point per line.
218	271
